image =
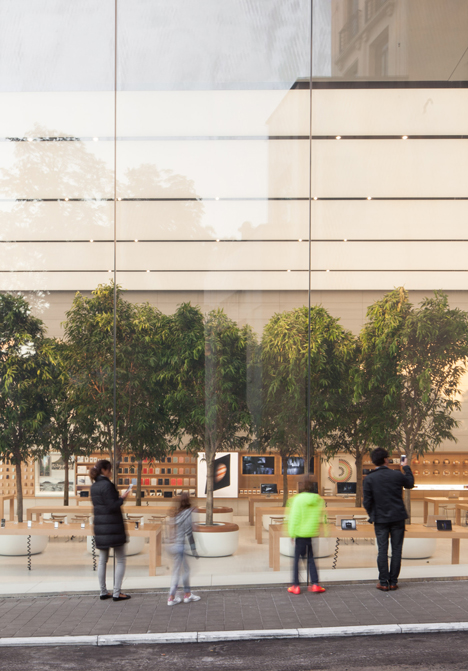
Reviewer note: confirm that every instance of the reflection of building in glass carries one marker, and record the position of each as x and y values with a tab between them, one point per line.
409	39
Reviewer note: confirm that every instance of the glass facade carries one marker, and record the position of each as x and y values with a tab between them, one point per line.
250	158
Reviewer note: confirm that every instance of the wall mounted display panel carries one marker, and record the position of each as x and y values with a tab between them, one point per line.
226	475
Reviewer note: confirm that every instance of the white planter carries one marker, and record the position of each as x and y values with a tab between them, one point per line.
134	546
220	514
15	546
322	547
417	548
266	520
219	540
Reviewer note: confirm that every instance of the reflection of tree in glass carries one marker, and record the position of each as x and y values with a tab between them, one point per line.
54	166
180	216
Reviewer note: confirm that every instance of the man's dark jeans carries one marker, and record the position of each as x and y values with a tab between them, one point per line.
303	548
396	531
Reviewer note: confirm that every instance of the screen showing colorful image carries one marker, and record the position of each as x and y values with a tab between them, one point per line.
258	465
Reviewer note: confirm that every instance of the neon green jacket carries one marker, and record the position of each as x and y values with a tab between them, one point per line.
306	513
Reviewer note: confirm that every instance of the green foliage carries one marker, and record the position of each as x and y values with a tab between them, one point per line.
142	425
207	371
23	372
418	356
282	413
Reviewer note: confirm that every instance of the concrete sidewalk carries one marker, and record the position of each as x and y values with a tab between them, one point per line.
235	610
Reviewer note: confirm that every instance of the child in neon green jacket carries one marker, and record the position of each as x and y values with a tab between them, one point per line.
306	514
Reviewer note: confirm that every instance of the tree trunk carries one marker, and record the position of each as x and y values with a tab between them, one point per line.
407	492
65	485
284	464
359	479
138	489
210	458
19	492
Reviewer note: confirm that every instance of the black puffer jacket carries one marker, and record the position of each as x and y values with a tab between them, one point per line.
109	529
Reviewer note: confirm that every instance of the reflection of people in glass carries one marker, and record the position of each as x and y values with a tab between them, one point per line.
306	513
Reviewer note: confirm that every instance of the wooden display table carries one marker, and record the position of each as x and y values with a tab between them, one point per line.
436	502
367	531
81	510
458	510
282	511
151	531
271	500
7	497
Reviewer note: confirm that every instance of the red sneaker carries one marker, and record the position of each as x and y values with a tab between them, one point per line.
294	589
316	588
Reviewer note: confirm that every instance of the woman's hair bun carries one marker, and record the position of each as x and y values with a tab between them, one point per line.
101	465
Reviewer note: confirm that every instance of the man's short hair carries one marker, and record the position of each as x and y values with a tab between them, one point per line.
378	456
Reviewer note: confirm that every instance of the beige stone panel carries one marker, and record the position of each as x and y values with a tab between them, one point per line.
228	256
386	168
63	220
57	256
64	113
390	220
421	111
221	169
209	220
57	170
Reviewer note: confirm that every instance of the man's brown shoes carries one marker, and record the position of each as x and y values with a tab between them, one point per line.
383	588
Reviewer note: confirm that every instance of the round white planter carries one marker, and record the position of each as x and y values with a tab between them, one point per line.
219	540
15	546
266	520
322	547
220	514
417	548
134	546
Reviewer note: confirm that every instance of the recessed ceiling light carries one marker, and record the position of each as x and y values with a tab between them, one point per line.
315	197
404	137
345	240
216	197
119	198
95	139
338	137
148	271
109	271
288	271
328	271
136	240
66	198
93	241
300	240
30	139
369	197
217	239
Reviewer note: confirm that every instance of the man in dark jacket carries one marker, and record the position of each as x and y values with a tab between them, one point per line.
383	500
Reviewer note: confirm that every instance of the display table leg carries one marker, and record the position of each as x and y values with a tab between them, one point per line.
152	553
159	547
251	513
258	528
270	547
455	550
458	516
28	542
426	511
276	551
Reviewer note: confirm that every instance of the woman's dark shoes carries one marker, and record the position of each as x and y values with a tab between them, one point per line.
105	596
121	597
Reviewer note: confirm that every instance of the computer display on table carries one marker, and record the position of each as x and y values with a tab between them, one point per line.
269	489
346	488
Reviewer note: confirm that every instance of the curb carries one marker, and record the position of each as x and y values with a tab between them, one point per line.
241	635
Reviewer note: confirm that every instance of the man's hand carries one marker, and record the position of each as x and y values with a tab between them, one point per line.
404	462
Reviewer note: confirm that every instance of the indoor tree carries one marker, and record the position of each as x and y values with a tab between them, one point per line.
69	433
207	370
419	355
141	422
23	367
281	416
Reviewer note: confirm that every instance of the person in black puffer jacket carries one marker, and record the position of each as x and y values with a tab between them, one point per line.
109	528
